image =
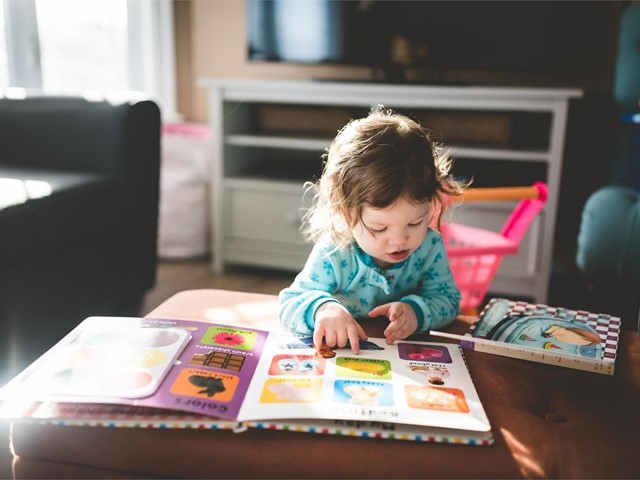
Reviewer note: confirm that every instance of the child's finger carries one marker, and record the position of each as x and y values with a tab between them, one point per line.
330	338
356	333
342	336
390	331
396	331
317	338
354	340
362	335
380	310
395	312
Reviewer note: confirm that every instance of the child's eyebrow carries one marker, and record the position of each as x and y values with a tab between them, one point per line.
420	217
373	222
382	224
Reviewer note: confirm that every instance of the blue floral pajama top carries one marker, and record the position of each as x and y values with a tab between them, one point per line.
350	276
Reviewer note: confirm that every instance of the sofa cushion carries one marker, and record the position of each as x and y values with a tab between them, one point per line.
42	210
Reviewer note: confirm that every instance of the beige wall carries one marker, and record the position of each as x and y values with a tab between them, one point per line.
214	46
211	44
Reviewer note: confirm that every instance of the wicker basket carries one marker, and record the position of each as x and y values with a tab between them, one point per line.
472	129
301	120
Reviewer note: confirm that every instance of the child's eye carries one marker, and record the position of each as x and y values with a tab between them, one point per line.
379	230
416	223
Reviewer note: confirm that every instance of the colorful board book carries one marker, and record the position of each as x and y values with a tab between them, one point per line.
541	333
142	372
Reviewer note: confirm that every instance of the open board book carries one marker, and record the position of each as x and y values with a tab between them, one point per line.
141	372
540	333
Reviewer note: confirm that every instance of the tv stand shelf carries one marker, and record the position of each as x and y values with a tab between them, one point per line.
259	171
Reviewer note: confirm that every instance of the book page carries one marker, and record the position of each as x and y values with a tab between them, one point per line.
414	383
173	364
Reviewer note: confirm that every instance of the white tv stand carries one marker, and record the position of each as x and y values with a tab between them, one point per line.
256	216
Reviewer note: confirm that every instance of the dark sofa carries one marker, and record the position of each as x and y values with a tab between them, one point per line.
79	188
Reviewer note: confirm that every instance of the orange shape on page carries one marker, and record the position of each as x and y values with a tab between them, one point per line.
205	384
291	390
436	398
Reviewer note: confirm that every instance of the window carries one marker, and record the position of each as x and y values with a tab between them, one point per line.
66	46
83	44
4	68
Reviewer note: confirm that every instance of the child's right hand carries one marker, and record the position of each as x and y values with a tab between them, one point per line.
337	325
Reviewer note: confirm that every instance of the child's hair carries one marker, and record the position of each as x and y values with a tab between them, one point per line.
374	161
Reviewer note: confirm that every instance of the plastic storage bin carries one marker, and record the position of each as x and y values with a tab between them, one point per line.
184	218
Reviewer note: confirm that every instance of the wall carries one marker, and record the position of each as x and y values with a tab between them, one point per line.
216	37
211	43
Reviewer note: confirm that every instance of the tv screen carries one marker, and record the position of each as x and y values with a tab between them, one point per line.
510	36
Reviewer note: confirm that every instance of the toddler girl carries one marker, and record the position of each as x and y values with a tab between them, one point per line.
375	254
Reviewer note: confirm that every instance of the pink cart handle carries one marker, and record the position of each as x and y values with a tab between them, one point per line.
527	209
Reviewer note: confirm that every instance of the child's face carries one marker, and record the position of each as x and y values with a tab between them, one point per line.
389	235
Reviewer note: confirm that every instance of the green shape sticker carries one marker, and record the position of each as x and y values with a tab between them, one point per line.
233	338
363	368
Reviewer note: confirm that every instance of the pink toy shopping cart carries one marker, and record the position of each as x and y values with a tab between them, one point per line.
475	253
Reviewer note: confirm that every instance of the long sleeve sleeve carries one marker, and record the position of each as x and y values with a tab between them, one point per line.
437	298
312	287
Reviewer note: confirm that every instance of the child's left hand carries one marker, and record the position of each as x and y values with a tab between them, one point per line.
402	320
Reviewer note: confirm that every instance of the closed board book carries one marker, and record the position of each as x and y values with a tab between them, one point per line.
559	336
142	372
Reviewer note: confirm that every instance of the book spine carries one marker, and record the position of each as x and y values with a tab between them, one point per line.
397	433
534	355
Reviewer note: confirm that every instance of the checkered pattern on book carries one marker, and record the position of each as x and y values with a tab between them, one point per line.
607	326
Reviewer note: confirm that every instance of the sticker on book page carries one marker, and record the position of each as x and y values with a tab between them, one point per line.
424	353
363	368
436	398
194	382
229	337
288	364
434	373
220	360
363	392
291	390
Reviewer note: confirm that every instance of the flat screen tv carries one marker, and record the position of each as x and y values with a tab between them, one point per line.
390	36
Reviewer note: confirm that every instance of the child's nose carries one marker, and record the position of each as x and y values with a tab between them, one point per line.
398	238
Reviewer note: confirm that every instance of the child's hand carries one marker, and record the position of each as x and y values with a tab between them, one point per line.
337	325
402	318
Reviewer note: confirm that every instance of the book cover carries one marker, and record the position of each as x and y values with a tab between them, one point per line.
569	338
127	372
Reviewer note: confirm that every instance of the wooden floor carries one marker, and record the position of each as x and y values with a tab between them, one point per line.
173	277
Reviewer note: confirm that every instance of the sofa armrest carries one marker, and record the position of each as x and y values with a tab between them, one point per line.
609	237
68	133
141	172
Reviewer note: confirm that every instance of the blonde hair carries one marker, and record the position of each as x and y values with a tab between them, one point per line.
374	161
